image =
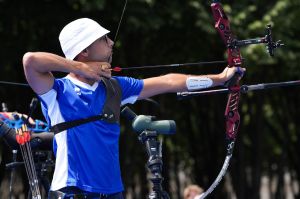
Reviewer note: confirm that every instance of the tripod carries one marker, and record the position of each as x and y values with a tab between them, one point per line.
154	163
148	130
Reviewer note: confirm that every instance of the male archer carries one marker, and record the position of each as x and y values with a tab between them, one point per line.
87	154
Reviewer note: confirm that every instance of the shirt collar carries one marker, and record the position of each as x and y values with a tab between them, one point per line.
82	84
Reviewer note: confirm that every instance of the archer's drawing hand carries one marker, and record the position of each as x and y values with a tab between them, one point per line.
95	70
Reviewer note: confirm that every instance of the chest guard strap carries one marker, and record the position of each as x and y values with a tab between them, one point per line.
110	112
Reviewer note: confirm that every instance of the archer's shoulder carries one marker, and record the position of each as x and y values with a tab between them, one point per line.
127	80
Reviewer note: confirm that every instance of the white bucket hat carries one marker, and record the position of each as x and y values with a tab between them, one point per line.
78	35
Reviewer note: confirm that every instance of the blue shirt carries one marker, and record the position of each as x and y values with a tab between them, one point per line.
87	156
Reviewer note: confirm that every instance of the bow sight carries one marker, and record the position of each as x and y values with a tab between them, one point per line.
267	39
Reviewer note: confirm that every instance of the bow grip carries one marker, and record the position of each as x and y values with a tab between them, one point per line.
233	80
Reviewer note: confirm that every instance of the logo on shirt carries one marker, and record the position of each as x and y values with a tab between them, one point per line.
77	90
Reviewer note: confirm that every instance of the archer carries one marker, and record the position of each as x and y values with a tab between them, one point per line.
83	108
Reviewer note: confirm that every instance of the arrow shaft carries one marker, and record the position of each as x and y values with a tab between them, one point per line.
202	63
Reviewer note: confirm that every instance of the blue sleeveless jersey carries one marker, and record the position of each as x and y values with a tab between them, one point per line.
87	156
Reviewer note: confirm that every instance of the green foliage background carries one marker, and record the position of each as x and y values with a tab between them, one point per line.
164	32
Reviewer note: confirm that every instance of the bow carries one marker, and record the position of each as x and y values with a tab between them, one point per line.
234	59
232	116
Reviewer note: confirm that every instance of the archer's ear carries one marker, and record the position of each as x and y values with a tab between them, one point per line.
84	53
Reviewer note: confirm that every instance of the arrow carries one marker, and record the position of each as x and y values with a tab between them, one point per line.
202	63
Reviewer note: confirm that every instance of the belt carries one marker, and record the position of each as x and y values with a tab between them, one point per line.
61	195
71	193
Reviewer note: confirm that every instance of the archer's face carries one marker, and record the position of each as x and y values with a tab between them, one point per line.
101	50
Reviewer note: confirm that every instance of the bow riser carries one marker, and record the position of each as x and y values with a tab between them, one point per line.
234	58
232	116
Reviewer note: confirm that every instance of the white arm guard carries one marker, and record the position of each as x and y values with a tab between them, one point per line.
198	83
